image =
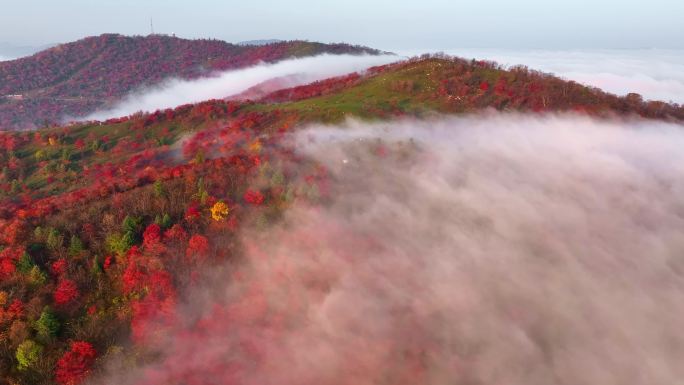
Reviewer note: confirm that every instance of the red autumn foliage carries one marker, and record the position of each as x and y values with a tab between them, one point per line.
133	276
13	232
319	88
254	197
155	309
7	267
74	365
79	144
66	292
198	246
175	233
152	235
156	293
193	212
16	309
107	262
8	259
59	267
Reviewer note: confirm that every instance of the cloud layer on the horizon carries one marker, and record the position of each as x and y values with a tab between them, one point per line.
175	92
656	74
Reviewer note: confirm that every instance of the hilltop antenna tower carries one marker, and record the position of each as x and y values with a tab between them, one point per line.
151	27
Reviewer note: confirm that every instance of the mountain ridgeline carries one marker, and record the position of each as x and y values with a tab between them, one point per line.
77	78
106	227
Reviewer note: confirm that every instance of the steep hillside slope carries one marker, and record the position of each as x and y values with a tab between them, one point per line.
76	78
104	227
452	85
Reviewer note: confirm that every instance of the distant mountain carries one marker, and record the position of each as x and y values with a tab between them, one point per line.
259	42
77	78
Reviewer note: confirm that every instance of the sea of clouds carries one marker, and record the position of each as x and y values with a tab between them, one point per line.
487	249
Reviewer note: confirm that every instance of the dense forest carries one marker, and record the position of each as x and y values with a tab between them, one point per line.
77	78
106	225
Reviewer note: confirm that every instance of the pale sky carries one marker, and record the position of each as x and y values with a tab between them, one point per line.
384	24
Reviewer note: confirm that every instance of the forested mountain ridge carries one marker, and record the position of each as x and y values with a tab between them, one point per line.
450	85
105	226
76	78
